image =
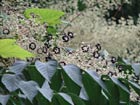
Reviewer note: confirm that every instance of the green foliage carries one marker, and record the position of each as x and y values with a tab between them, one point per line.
122	9
51	30
81	5
50	84
8	48
126	66
51	17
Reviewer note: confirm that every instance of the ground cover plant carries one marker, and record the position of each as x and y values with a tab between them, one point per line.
37	36
51	84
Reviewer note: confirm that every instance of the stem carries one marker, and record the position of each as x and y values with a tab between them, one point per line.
119	9
70	22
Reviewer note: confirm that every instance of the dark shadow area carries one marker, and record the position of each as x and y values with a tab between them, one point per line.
125	10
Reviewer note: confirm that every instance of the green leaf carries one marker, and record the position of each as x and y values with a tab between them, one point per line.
4	99
97	78
76	99
55	101
113	90
51	17
41	100
8	48
47	70
124	96
118	89
56	80
136	67
94	86
126	66
72	78
29	88
18	67
136	87
10	81
31	73
16	100
74	72
51	30
46	91
83	95
66	97
134	103
118	83
13	82
63	99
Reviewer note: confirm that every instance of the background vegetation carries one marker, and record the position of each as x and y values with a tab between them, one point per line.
98	35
